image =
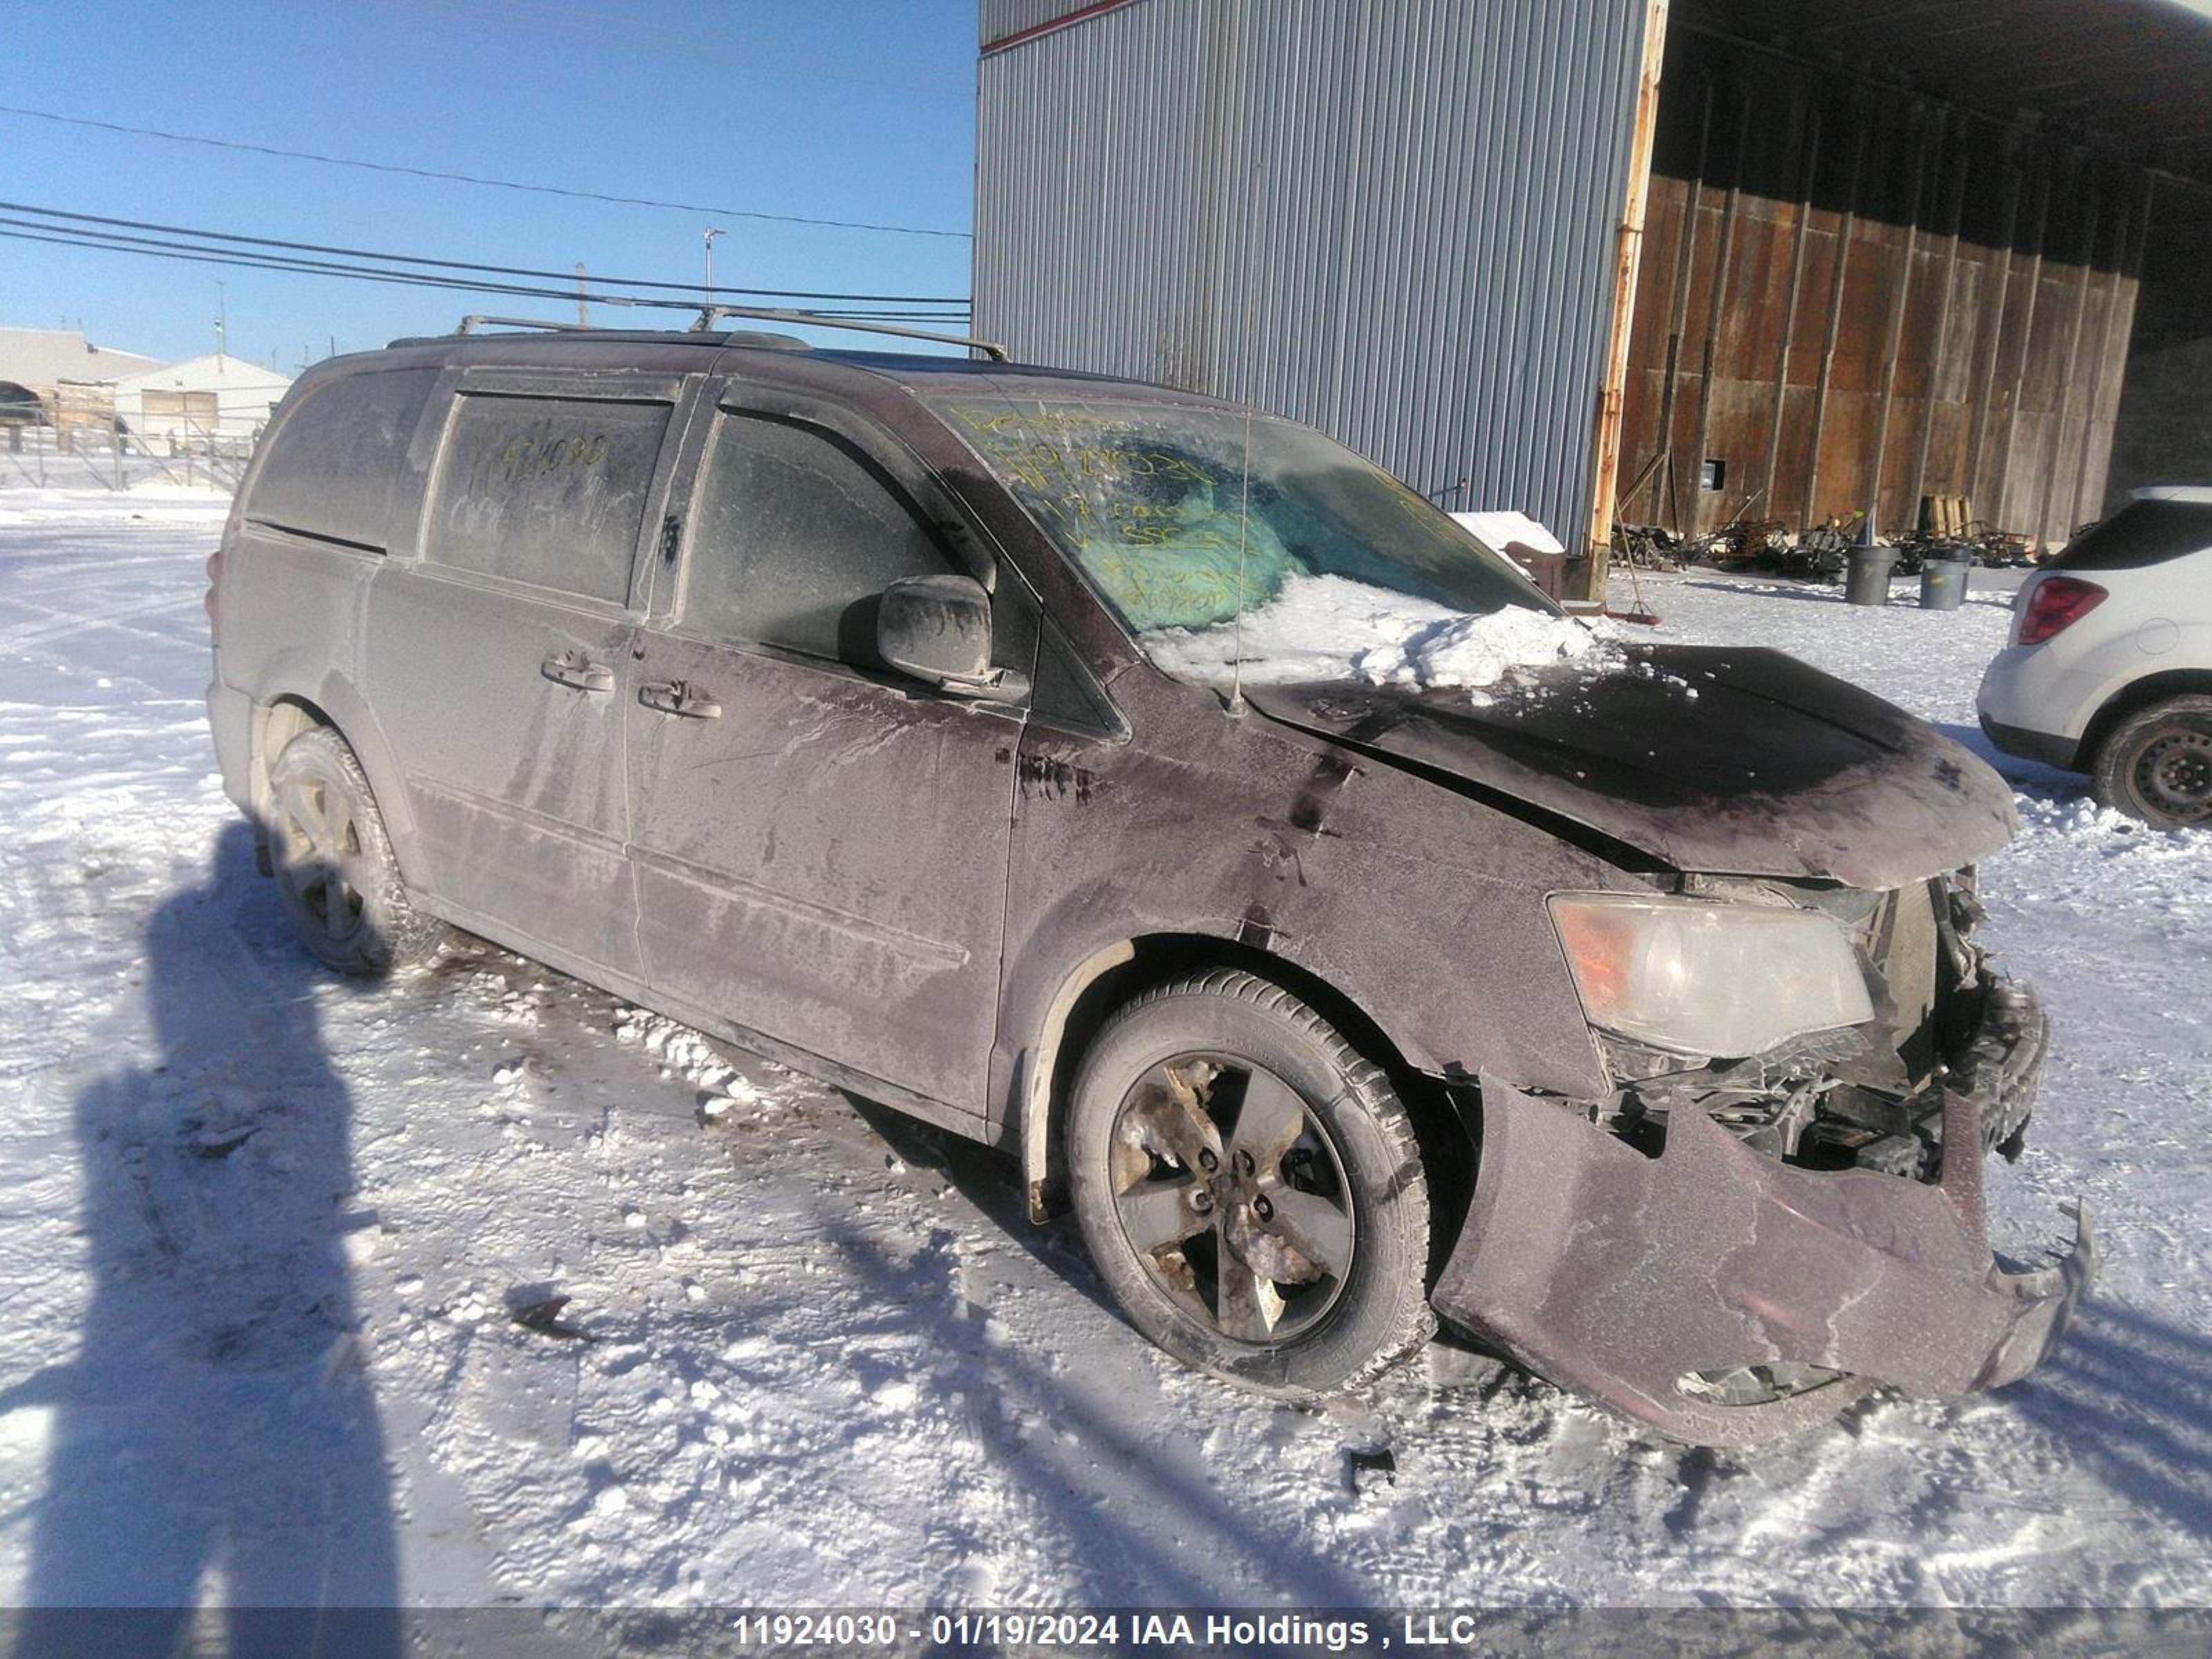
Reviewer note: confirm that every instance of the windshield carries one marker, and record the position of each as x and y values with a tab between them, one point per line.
1153	503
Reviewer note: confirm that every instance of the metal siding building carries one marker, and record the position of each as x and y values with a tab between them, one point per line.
1394	220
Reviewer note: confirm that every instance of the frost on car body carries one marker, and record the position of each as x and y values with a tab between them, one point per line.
870	711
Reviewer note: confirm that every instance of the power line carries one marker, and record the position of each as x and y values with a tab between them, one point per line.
106	242
473	179
461	265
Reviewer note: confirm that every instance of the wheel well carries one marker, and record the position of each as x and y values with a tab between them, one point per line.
1446	1140
274	727
2135	696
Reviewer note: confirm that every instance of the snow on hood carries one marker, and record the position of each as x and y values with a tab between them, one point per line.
1332	628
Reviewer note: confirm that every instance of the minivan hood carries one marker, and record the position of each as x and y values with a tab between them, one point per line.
1715	759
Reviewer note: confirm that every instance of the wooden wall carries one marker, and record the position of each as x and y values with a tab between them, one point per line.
1853	297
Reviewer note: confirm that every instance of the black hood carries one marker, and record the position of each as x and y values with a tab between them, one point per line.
1715	759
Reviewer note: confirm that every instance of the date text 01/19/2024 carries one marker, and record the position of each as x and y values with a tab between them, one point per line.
1107	1632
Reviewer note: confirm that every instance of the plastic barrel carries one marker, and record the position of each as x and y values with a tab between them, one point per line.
1943	584
1867	582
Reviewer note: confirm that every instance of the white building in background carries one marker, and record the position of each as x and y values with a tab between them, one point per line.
202	398
40	359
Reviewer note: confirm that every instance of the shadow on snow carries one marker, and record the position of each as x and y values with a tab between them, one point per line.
214	1436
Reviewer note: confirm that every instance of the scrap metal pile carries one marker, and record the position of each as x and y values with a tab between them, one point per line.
1821	552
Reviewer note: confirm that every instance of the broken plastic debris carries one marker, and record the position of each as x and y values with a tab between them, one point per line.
544	1317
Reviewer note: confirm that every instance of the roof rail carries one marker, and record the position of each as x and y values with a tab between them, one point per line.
709	314
471	324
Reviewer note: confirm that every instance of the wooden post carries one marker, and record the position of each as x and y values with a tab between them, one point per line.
2000	296
2065	411
1627	259
2041	222
1900	301
1717	312
1954	214
1810	138
1845	228
1678	298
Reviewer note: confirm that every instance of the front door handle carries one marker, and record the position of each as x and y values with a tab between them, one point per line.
575	668
679	697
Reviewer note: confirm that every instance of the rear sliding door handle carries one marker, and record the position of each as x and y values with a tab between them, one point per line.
575	668
679	697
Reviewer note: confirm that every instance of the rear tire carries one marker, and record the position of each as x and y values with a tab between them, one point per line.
2156	765
334	863
1250	1189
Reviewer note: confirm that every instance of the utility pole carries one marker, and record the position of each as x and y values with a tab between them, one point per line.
708	238
583	316
222	320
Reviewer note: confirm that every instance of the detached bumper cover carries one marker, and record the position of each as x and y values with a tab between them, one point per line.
1619	1275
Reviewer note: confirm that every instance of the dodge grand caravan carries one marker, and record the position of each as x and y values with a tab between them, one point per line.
928	724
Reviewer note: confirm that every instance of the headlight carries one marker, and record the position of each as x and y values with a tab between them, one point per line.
1710	980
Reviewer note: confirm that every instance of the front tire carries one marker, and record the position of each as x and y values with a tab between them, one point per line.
1250	1189
2156	765
334	863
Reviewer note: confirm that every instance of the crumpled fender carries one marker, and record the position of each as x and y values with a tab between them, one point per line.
1615	1275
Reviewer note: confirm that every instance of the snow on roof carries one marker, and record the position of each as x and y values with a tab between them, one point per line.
43	356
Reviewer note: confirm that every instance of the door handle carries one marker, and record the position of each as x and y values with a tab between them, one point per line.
575	668
679	697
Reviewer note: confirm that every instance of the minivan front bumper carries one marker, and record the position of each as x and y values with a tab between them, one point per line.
1629	1277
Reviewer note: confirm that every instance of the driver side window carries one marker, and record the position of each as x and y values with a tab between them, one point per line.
795	534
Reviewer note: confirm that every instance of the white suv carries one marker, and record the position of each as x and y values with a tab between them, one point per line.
2109	668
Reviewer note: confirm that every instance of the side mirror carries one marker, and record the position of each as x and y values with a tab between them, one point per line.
938	629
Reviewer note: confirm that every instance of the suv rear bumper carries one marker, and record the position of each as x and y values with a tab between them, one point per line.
230	719
2031	745
1622	1276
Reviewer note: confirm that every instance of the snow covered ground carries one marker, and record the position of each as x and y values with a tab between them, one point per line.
261	1233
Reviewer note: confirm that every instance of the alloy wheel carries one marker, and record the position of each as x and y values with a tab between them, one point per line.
1232	1193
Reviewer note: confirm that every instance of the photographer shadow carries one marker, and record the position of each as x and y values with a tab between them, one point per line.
214	1438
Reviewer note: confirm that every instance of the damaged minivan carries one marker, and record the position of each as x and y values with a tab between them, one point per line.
1163	793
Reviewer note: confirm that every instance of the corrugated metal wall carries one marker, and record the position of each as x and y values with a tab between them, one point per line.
1393	219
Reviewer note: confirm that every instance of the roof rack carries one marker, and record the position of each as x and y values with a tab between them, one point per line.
709	315
471	324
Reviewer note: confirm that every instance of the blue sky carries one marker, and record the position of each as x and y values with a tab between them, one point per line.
844	109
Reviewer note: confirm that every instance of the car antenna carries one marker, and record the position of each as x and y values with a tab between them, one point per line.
1244	502
1243	525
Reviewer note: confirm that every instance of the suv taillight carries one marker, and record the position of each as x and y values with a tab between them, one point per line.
2058	602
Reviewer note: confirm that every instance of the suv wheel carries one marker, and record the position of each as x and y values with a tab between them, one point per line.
1250	1189
2157	765
334	863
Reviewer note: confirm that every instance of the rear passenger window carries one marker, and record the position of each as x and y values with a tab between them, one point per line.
549	491
335	461
796	532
